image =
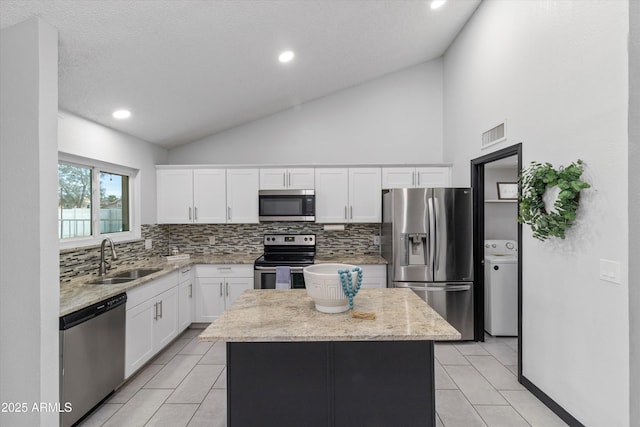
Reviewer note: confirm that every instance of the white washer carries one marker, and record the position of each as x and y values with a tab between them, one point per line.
501	287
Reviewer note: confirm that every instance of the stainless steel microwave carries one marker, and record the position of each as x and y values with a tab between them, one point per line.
287	205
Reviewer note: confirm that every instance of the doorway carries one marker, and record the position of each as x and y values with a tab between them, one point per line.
484	167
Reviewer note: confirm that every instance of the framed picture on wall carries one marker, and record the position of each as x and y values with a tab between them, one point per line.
507	190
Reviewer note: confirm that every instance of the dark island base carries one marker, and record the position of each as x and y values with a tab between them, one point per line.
342	384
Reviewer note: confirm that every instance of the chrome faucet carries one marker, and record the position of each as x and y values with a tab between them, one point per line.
104	265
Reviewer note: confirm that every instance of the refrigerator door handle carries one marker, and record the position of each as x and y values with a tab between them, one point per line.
436	209
432	240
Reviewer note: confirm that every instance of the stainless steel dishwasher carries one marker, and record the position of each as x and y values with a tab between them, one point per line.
91	356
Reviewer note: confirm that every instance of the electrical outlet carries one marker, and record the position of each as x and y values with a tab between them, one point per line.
212	240
148	243
610	271
376	240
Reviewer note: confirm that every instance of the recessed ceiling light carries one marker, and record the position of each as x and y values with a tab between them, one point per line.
286	56
435	4
122	114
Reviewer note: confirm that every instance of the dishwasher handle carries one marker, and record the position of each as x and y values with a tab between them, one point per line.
87	313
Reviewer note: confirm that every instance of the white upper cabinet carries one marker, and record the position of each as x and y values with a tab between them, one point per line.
332	195
209	196
188	196
286	179
175	196
242	196
433	177
365	195
348	195
416	177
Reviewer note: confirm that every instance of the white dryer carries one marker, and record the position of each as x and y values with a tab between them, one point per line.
501	287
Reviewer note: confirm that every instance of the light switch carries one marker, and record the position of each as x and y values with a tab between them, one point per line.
610	271
148	243
376	240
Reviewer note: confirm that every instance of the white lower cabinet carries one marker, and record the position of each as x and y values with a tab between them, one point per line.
139	346
151	320
166	318
374	276
185	299
217	286
210	302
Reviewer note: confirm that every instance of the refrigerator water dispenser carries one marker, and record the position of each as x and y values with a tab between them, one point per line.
416	249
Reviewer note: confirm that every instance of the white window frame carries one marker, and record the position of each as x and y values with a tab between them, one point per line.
96	237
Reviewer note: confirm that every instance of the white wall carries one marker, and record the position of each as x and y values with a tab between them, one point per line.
557	71
29	291
394	119
634	209
84	138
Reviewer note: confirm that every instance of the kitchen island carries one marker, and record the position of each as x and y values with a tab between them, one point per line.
290	365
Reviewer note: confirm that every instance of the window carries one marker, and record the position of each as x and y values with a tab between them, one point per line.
94	200
114	202
74	201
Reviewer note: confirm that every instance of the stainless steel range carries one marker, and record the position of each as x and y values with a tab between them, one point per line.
295	251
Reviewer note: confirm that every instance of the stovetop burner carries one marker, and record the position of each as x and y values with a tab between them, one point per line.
288	249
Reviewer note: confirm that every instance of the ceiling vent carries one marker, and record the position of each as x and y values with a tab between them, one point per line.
494	135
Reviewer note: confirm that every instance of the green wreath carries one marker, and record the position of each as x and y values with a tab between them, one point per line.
534	181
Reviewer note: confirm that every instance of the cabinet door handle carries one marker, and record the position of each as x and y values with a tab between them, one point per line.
413	178
345	211
191	291
418	176
351	208
161	309
229	212
220	288
189	213
155	311
289	179
284	179
195	213
227	289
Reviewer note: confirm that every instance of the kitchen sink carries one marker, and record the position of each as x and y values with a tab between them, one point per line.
136	273
125	276
111	280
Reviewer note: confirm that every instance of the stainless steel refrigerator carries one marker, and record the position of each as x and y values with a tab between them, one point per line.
427	237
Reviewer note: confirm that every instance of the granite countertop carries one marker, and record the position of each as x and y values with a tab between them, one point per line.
77	293
351	259
290	315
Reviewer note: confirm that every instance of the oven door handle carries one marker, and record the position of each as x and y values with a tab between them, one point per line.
273	269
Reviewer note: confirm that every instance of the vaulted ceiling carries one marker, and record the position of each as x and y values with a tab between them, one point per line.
190	68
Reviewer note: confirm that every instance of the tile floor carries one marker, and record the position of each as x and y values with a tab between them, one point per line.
185	386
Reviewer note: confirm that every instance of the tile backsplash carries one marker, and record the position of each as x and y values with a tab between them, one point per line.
82	261
247	238
229	239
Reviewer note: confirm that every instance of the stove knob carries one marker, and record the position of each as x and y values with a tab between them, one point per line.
311	239
305	239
